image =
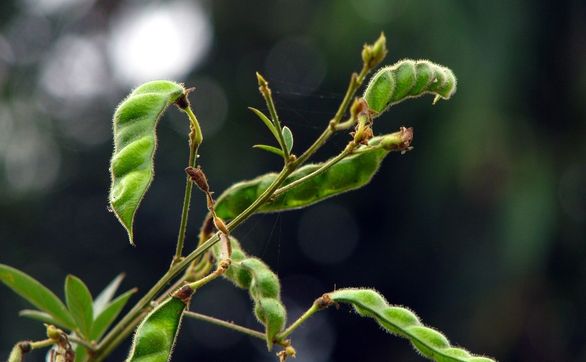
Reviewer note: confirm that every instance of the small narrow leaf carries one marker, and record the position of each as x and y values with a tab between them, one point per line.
135	141
109	314
288	138
271	149
106	295
39	316
80	304
267	122
36	294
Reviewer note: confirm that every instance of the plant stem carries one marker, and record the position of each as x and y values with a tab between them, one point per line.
225	324
195	139
133	317
355	82
267	94
347	151
126	325
221	269
118	338
86	344
286	171
42	344
315	307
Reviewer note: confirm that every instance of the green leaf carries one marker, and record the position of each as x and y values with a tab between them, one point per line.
132	165
288	138
39	316
267	122
109	314
36	294
107	294
271	149
80	353
80	304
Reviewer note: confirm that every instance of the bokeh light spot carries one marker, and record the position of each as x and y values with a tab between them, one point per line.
159	41
75	69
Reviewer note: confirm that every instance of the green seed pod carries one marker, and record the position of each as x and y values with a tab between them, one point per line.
348	174
480	359
428	341
156	334
408	79
265	283
17	353
135	141
263	287
402	322
457	352
271	313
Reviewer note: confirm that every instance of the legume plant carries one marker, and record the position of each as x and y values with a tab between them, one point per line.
88	329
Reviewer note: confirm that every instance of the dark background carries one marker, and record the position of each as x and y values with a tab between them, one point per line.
480	229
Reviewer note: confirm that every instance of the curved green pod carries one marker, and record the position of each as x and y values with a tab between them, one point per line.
263	287
408	79
156	334
404	323
135	141
350	173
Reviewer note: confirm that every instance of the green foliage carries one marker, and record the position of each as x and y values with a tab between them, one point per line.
131	167
107	294
267	122
297	185
39	316
404	323
287	138
263	286
80	304
90	319
271	149
36	294
106	316
408	79
156	334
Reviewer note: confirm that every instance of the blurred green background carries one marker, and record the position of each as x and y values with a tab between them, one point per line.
481	229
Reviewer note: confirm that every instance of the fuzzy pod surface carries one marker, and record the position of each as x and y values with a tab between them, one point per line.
350	173
156	334
263	287
404	323
408	79
135	142
16	354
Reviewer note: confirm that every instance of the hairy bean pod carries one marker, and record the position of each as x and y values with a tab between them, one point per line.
404	323
408	79
156	334
135	141
263	286
350	173
17	353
